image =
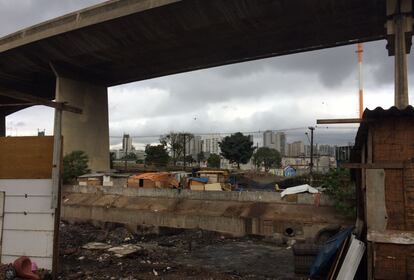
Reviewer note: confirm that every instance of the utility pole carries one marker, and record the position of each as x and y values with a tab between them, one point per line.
311	128
185	136
126	157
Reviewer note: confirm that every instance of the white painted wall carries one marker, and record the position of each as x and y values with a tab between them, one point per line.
28	227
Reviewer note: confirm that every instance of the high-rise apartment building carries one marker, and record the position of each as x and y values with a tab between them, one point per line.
296	149
127	143
194	147
211	144
275	141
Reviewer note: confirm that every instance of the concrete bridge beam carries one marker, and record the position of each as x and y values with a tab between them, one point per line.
89	131
2	125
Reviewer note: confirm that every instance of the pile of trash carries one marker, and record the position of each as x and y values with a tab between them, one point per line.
23	268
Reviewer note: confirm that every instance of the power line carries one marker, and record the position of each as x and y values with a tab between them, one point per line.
244	132
218	133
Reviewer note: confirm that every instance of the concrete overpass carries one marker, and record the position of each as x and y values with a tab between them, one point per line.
74	58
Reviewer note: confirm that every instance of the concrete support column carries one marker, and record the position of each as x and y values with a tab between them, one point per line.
399	26
401	78
2	125
89	131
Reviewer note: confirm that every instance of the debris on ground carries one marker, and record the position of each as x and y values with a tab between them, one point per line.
125	250
172	254
96	246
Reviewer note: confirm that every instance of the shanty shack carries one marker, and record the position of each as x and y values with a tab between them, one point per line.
197	183
160	180
384	170
103	179
214	176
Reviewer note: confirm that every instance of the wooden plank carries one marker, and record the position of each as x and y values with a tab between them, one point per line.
338	258
394	199
26	157
375	191
378	165
57	158
370	148
40	101
2	202
408	198
391	261
17	104
370	261
337	121
391	236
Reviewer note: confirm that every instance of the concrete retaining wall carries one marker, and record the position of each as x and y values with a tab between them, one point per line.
258	196
237	213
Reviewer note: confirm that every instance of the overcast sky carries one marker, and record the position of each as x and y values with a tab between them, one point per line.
277	93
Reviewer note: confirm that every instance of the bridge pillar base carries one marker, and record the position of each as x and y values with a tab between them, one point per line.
89	131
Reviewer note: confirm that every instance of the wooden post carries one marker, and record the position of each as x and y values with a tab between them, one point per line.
57	157
56	186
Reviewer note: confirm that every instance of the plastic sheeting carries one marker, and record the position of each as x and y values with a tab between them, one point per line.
326	256
298	189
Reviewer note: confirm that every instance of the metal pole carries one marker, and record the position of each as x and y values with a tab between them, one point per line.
185	136
311	152
126	155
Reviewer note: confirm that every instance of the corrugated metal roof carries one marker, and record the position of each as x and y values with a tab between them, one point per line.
377	114
380	112
154	176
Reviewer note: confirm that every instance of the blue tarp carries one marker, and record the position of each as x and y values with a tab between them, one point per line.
199	179
326	255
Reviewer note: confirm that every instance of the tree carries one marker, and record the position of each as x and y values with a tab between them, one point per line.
189	159
75	164
175	143
213	161
156	155
200	157
237	148
338	186
267	157
130	156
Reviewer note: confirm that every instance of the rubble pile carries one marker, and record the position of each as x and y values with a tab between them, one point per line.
88	252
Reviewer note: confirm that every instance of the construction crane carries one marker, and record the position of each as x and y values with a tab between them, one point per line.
360	51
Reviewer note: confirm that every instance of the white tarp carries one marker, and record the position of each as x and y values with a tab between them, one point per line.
298	189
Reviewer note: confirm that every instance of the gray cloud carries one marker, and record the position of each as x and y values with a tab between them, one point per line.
274	93
16	15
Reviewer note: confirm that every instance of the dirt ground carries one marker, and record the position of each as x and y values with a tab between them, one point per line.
175	254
